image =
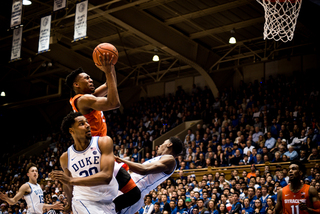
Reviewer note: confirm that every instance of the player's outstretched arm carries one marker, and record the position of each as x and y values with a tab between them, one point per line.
278	208
56	206
11	201
314	198
102	90
166	164
111	85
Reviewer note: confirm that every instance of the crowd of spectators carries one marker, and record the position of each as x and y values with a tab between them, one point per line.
246	193
274	120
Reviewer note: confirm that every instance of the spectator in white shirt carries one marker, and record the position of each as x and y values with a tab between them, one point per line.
249	147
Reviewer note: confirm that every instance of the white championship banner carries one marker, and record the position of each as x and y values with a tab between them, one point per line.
16	13
16	44
80	23
59	4
44	37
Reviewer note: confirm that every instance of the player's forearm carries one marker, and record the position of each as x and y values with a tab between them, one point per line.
136	167
316	207
68	191
93	180
113	96
48	206
11	201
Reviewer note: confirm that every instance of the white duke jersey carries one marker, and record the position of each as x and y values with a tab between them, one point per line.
146	183
34	199
85	163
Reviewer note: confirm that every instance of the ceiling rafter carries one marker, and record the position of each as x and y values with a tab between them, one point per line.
227	28
205	12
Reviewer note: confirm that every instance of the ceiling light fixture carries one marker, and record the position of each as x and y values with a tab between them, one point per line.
155	57
232	39
26	2
3	94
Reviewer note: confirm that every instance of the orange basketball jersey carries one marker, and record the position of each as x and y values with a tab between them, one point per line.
290	200
95	118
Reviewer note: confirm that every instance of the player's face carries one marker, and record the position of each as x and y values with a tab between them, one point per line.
162	147
85	83
81	128
294	172
33	173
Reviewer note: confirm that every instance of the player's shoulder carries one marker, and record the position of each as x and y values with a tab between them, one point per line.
25	187
168	159
64	158
64	155
104	139
105	142
313	191
87	97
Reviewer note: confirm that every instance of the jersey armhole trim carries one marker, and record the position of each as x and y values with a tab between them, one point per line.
98	148
30	188
68	153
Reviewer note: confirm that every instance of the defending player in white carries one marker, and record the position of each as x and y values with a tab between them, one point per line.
32	193
89	162
153	172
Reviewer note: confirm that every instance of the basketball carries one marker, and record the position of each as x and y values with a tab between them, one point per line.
105	48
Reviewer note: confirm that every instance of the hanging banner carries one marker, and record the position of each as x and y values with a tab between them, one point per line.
16	44
16	13
44	37
59	4
80	23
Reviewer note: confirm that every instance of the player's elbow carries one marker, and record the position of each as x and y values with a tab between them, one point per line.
143	171
108	178
115	104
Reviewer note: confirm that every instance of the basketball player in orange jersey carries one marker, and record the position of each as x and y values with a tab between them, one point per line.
91	102
297	197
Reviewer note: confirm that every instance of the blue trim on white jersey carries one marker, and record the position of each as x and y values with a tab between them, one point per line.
30	188
141	179
74	208
84	206
98	145
80	152
152	183
68	158
31	198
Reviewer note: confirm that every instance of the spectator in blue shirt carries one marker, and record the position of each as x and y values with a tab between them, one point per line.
247	208
291	154
255	136
270	142
135	155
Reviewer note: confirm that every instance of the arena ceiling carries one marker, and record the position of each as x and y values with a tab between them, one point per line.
191	37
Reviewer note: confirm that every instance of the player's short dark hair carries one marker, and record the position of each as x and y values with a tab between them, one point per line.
302	167
177	145
30	165
68	121
236	193
72	76
157	203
